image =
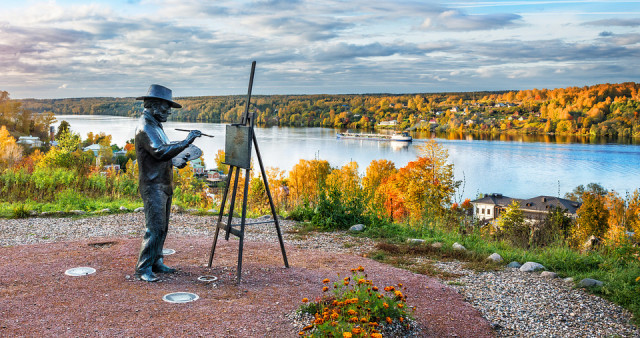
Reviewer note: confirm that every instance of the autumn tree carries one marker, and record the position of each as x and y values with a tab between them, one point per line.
305	180
10	151
512	226
591	220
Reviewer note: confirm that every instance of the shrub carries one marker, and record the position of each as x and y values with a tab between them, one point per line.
356	308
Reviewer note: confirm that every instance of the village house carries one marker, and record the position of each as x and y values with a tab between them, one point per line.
30	141
534	209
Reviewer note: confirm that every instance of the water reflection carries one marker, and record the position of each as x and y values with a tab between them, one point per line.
564	139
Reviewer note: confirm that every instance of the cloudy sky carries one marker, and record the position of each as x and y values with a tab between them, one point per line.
54	49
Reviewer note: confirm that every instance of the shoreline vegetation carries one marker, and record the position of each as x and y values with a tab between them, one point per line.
603	110
421	200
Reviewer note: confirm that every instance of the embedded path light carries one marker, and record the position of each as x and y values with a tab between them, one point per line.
207	279
80	271
180	297
167	252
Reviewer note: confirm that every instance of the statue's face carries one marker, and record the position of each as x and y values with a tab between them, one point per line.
161	110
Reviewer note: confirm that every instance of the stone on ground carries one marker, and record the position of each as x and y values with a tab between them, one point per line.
139	209
549	274
357	228
495	257
415	241
436	245
531	267
588	282
514	265
458	246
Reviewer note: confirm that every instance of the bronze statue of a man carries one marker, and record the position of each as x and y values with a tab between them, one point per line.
154	152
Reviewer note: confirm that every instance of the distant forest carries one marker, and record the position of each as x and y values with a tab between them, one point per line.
600	110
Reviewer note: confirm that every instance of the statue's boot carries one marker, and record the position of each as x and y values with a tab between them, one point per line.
160	267
147	275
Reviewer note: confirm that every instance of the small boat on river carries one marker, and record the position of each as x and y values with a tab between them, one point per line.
401	137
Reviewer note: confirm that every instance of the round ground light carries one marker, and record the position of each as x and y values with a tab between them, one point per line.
80	271
167	252
207	278
180	297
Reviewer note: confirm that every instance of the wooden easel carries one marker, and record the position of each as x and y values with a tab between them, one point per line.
238	141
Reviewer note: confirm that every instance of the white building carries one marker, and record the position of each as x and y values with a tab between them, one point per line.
30	141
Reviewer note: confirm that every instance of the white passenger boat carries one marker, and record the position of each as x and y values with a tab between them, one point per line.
401	137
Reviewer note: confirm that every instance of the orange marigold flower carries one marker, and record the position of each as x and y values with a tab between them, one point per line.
334	303
356	330
318	321
325	289
375	288
305	300
398	294
307	328
389	288
400	284
374	324
345	283
388	319
386	306
351	312
326	280
354	300
360	268
340	304
380	296
346	279
333	323
400	305
335	315
364	320
353	319
346	335
300	333
376	335
401	319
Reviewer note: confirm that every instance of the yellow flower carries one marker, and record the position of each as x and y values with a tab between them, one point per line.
638	279
362	281
318	321
305	300
386	306
345	282
346	279
325	289
376	335
363	320
400	305
400	284
398	294
346	335
353	319
326	280
356	330
351	312
335	315
360	268
388	319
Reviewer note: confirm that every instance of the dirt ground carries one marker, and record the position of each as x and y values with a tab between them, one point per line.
38	299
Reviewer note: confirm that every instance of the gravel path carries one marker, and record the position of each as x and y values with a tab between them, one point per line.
515	303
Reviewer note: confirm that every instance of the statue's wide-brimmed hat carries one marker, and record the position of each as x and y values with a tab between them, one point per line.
157	91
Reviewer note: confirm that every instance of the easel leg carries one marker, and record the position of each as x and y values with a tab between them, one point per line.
222	204
232	206
242	222
273	208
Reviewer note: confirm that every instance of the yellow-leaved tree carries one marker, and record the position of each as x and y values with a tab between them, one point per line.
10	151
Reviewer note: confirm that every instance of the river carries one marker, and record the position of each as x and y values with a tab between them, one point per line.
513	167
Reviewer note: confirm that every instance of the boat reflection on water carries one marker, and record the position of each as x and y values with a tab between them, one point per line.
399	145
